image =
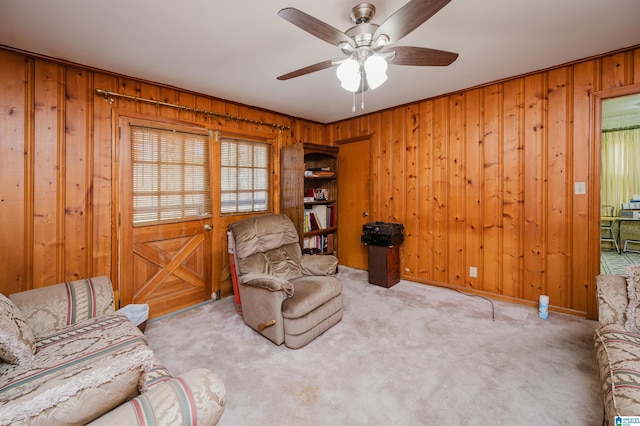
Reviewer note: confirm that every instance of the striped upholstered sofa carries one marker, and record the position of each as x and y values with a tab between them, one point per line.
617	342
67	357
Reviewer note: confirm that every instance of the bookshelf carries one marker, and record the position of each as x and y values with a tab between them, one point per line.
309	194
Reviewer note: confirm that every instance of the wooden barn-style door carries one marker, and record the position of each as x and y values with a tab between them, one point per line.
165	215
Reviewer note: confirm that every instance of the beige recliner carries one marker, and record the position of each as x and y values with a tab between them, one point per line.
286	296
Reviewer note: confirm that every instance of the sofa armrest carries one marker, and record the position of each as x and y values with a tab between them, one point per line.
55	307
318	265
612	299
195	397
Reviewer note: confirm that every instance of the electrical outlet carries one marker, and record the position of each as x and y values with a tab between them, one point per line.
473	272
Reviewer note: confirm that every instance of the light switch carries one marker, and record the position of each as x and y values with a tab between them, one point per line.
580	188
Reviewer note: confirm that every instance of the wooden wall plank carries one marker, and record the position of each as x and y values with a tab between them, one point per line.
188	100
440	177
101	189
473	191
583	84
612	71
386	173
513	193
13	156
426	203
77	172
456	187
411	202
534	187
558	195
398	162
491	195
46	175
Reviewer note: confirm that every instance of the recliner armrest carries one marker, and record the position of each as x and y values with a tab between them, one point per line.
269	282
315	265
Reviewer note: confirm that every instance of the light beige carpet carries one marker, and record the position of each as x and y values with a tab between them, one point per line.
409	355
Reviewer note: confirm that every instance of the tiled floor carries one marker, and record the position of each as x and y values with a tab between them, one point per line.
614	263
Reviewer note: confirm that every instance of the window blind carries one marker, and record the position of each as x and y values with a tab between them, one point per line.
170	175
244	175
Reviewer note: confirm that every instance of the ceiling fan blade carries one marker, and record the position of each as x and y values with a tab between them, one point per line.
314	26
307	70
408	18
420	56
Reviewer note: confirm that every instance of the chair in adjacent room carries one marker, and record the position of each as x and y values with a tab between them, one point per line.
606	226
286	296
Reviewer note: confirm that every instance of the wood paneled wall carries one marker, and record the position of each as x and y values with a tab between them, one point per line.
485	178
56	157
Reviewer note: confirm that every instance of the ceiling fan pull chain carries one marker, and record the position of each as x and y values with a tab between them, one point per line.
353	108
362	89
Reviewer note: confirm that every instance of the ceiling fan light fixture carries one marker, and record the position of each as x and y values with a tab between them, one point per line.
348	73
375	69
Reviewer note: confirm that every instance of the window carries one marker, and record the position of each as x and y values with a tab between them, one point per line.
170	175
244	176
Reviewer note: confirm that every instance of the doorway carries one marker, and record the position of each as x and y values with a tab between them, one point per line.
595	182
164	215
620	182
354	189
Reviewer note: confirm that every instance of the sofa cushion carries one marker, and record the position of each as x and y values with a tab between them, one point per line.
57	306
617	354
263	233
17	343
633	294
282	262
309	293
107	352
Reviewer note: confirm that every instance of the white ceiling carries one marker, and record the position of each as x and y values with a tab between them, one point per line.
234	50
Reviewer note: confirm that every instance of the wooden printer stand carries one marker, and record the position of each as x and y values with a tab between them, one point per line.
384	265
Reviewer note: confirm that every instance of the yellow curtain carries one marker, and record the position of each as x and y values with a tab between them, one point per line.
620	167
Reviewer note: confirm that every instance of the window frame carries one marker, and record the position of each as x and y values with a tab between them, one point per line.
223	137
166	126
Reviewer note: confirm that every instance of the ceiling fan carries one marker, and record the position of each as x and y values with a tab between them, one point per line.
366	43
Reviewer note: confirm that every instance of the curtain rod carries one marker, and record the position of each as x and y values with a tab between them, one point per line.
620	129
108	96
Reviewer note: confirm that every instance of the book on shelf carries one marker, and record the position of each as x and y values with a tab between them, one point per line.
318	217
315	224
320	211
329	244
331	216
322	242
312	222
324	172
306	223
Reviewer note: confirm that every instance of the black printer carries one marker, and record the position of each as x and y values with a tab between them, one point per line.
382	233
